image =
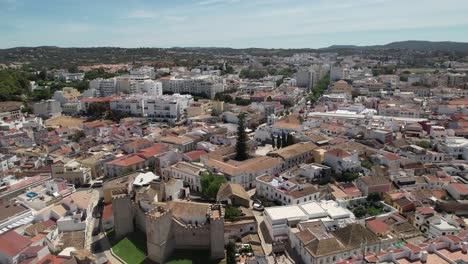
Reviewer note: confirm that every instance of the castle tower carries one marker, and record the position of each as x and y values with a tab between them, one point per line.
160	239
216	215
122	210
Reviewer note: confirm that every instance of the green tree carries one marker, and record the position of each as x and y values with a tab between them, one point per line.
210	184
241	143
290	140
301	119
73	69
366	164
231	253
232	212
42	75
78	135
284	140
359	212
347	176
424	144
279	141
373	197
273	141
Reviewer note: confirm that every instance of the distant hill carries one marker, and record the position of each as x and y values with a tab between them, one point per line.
421	45
56	57
429	45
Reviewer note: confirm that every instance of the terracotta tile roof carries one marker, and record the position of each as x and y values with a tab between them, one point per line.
97	123
194	155
374	180
378	226
353	234
338	153
176	140
294	150
154	150
138	143
460	188
126	161
232	189
12	243
425	210
107	212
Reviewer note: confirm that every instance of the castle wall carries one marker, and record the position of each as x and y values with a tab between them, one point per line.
191	237
140	218
217	238
123	216
159	235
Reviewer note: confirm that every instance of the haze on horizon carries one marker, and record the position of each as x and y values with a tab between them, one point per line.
229	23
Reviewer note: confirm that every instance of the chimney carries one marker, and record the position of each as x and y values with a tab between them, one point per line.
464	247
424	256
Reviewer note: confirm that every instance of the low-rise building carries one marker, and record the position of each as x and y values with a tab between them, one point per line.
72	171
341	160
295	154
285	192
373	184
278	220
47	109
458	191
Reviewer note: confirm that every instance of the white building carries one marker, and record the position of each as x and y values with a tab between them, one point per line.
144	71
189	173
105	87
453	146
167	108
438	132
7	162
204	84
314	171
69	77
47	109
278	220
439	226
340	160
285	191
150	87
67	95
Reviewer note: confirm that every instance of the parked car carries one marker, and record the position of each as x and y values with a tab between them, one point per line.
258	206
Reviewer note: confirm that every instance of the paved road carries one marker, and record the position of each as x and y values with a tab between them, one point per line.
105	247
267	247
90	221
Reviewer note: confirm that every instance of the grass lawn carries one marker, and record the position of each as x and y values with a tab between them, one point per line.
182	261
421	71
190	257
132	249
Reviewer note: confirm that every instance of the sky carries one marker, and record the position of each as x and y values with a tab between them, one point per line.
229	23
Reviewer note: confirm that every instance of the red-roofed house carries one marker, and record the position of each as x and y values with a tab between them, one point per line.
458	191
136	145
12	245
379	227
341	160
107	217
124	164
194	155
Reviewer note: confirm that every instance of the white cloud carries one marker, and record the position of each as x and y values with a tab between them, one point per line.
215	2
140	13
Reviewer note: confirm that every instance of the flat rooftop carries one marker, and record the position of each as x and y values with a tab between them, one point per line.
308	211
291	212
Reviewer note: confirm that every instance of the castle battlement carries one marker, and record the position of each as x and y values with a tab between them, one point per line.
216	212
157	212
119	194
